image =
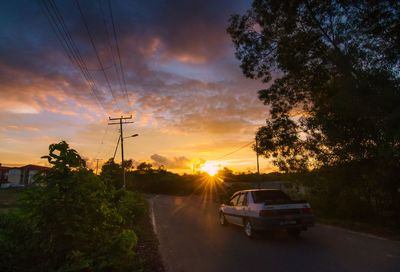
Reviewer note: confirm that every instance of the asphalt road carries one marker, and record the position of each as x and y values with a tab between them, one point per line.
191	240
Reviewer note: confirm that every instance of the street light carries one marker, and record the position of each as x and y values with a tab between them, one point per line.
134	135
122	149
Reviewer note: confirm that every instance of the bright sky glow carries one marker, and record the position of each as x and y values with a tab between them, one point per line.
210	167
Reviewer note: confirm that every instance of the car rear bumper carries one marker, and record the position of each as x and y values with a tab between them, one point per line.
283	222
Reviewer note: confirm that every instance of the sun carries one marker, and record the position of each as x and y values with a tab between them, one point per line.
210	167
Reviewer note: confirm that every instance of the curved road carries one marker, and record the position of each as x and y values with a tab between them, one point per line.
192	240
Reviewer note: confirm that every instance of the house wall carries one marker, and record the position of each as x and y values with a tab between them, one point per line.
3	175
30	175
14	176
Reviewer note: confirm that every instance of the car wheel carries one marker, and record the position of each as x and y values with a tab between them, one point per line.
294	232
222	219
248	229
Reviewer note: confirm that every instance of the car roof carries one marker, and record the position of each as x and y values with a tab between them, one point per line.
256	190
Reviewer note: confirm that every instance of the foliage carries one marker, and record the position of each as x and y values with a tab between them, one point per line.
63	158
334	94
130	205
18	249
111	173
346	192
71	221
8	198
225	174
144	166
128	164
334	69
161	182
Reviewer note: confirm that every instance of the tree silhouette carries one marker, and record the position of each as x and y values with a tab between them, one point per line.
63	158
144	166
333	69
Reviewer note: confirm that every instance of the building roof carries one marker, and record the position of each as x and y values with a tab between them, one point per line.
35	167
25	167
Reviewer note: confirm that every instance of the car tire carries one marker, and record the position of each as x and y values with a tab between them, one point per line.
294	232
248	229
222	219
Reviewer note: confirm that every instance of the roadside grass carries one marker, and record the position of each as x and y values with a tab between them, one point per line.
368	228
9	199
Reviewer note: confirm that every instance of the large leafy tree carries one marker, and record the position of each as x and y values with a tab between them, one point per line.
333	71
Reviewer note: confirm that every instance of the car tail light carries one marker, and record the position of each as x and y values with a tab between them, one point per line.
266	213
307	211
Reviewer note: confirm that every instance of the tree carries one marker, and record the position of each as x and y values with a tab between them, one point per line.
333	69
144	166
111	173
225	173
63	158
71	221
128	164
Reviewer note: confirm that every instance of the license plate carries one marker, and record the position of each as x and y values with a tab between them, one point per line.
288	222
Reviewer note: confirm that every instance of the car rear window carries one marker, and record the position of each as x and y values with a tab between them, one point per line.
270	196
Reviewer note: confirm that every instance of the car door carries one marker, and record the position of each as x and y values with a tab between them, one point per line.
229	209
241	208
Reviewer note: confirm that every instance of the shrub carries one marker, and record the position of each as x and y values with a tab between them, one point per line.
71	221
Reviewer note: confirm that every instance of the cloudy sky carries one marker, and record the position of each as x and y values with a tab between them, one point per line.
182	84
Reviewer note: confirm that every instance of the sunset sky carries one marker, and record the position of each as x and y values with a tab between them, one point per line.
185	90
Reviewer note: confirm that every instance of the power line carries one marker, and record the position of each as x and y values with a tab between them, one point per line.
59	27
77	56
102	142
111	47
95	50
230	153
118	51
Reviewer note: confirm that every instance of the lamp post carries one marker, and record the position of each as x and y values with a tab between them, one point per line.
134	135
122	150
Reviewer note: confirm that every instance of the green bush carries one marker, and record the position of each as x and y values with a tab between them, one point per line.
71	221
130	205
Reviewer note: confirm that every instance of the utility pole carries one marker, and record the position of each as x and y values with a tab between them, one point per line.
97	165
258	164
116	147
121	138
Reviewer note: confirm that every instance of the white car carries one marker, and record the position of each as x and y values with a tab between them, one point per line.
266	209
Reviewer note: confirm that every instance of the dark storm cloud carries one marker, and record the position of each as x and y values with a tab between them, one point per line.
184	27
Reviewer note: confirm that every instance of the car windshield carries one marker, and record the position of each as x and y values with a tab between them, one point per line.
270	196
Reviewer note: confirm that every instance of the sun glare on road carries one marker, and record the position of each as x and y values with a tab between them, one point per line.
210	167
